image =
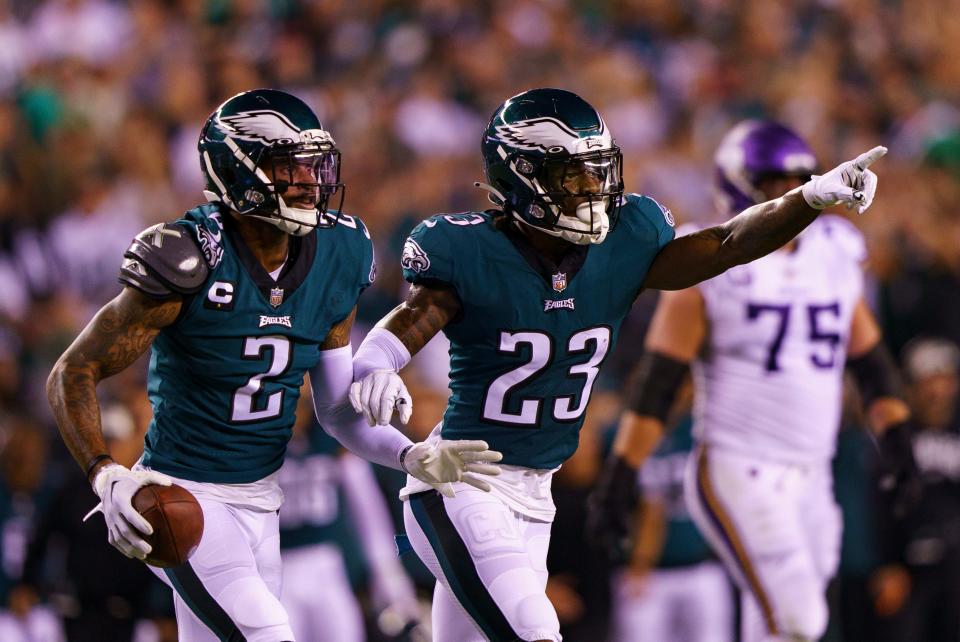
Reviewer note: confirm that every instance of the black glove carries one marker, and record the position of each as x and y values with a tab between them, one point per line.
900	481
610	509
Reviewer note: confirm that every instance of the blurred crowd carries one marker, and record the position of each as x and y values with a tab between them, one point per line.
101	103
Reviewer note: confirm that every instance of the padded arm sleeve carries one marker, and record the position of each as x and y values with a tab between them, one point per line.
163	261
330	380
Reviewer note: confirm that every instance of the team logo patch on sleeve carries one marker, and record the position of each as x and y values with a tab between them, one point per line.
667	215
414	258
210	245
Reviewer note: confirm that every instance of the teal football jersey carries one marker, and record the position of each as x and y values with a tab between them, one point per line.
224	379
313	500
662	477
531	338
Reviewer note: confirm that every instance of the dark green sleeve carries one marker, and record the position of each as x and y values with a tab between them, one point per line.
657	218
428	254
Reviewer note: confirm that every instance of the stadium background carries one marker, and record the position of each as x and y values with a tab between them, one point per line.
101	102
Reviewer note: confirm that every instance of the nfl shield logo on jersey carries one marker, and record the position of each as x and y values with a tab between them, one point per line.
560	281
276	297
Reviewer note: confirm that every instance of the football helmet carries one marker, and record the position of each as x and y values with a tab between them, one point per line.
551	163
752	151
265	154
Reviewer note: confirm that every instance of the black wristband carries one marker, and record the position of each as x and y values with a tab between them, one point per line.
93	463
654	385
876	374
403	455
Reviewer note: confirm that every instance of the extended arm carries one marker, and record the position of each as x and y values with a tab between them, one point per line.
753	233
763	228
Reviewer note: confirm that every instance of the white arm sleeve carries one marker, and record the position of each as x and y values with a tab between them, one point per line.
379	350
330	381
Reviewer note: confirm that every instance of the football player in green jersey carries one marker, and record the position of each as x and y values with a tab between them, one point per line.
531	296
238	299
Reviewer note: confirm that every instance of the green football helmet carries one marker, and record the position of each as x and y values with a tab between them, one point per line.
265	154
551	163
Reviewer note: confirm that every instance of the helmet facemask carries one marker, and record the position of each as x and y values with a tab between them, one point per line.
577	196
302	182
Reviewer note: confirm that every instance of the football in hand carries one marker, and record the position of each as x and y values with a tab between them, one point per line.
177	521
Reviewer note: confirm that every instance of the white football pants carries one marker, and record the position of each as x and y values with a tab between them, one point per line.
777	529
490	563
230	587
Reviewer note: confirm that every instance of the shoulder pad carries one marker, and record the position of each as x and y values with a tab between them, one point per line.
164	260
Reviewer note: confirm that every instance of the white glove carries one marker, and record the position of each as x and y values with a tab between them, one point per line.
441	462
116	485
850	183
377	394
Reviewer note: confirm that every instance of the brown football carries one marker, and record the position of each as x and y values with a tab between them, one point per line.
177	521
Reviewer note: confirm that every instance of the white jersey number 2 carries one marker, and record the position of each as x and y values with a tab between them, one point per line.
541	354
242	410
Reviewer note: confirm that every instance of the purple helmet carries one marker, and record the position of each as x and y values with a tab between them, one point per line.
752	151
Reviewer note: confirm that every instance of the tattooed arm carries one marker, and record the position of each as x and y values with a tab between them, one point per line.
753	233
389	347
426	310
119	333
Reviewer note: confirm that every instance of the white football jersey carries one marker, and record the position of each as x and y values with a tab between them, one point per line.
769	380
